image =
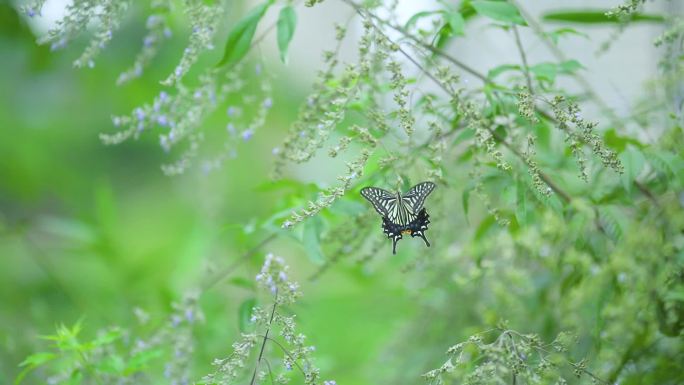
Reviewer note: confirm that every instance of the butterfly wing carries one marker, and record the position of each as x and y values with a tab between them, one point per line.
415	197
382	200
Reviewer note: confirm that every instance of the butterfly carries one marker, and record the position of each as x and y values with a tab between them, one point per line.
401	214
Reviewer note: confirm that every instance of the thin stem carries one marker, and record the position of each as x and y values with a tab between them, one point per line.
523	56
229	270
288	354
270	372
263	342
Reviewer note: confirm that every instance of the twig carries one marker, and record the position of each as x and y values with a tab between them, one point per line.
523	56
263	342
228	270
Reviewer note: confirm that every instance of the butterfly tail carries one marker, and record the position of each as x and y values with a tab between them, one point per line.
422	235
394	245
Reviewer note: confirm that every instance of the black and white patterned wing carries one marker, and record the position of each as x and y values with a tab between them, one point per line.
382	200
415	197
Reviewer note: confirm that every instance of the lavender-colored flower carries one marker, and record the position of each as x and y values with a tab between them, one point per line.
257	69
268	103
139	113
330	382
162	120
167	33
197	94
30	12
275	151
287	224
247	135
91	64
178	71
175	320
163	96
152	21
190	315
231	111
149	40
288	365
282	276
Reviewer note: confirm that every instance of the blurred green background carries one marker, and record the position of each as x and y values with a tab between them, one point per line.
90	231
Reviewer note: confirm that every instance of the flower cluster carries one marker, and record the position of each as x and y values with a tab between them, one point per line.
508	357
567	113
291	346
158	30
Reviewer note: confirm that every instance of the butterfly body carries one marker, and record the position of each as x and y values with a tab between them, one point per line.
401	214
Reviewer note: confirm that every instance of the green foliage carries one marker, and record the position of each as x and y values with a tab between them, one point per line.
597	17
240	37
569	223
287	21
499	11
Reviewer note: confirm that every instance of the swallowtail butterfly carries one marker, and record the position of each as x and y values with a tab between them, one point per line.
401	214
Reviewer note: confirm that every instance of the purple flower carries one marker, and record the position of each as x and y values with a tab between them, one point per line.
268	103
148	41
275	151
162	120
231	111
163	96
139	113
331	382
230	128
30	12
247	135
167	33
152	21
189	315
257	69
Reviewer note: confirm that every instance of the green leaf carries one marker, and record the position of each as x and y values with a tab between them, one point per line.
287	21
245	313
597	16
456	22
240	37
545	71
612	222
667	164
498	70
569	66
633	161
465	200
500	11
38	359
311	240
413	19
560	32
33	361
